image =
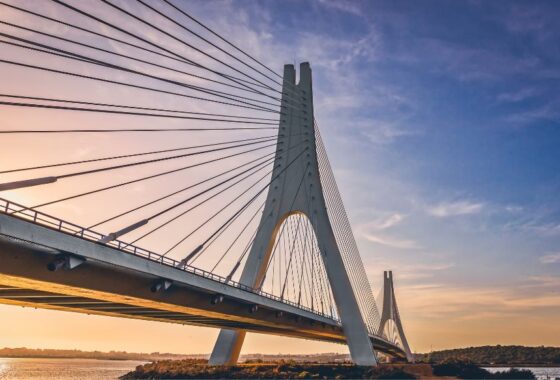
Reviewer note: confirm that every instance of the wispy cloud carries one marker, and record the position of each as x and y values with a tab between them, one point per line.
513	209
441	300
383	133
422	271
552	258
518	96
383	223
391	241
334	53
466	63
544	282
544	112
537	227
447	209
344	6
374	231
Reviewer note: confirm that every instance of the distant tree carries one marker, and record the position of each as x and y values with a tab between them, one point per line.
514	374
507	355
469	370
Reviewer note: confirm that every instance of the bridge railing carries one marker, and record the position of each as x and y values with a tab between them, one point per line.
60	225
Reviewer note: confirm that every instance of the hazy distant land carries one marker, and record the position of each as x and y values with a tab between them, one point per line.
24	352
484	355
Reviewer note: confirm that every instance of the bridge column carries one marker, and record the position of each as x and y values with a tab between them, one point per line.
391	312
299	190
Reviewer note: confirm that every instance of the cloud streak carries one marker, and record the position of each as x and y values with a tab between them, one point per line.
391	241
553	258
448	209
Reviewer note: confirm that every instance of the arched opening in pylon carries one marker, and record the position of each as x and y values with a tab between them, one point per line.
391	333
295	270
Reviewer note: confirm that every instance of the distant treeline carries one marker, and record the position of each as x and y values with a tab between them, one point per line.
123	355
496	355
484	355
75	354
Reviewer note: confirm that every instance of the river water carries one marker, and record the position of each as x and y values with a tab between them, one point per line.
64	369
74	369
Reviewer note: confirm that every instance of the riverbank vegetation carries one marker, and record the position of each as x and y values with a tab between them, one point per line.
199	369
469	370
497	355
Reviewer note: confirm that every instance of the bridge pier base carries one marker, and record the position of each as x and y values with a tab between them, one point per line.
227	348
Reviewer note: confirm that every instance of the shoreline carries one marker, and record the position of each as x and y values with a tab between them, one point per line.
551	365
484	365
80	358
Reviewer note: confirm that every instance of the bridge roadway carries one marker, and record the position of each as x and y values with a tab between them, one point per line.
117	281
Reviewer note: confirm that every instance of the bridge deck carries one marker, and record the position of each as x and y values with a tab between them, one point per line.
117	282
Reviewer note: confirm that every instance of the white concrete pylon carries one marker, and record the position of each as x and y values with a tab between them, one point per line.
390	311
298	191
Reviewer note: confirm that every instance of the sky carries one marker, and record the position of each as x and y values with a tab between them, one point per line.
441	120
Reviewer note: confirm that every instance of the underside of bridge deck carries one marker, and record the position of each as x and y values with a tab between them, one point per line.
104	288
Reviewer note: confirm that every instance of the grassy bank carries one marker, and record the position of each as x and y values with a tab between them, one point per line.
199	369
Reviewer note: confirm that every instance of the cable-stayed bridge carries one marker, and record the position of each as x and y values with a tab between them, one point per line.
238	223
